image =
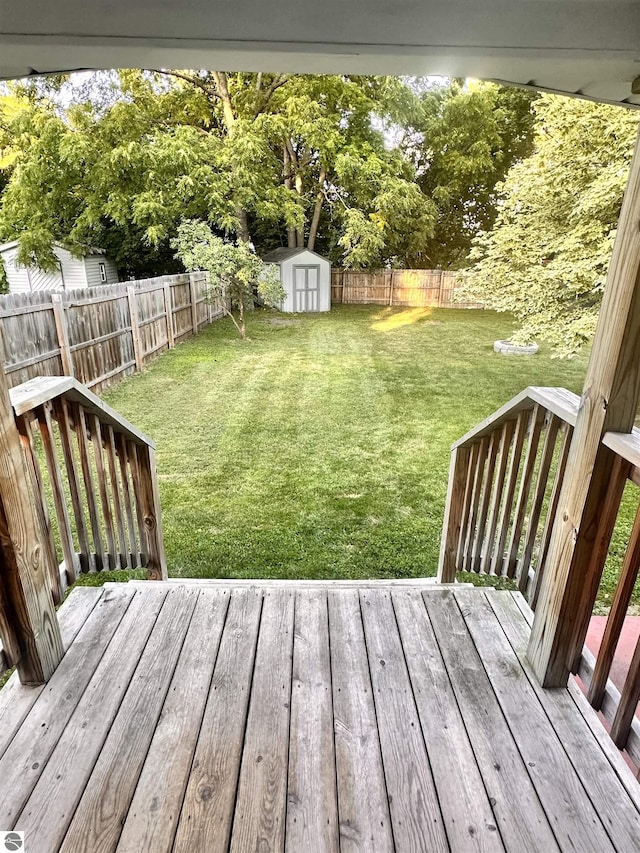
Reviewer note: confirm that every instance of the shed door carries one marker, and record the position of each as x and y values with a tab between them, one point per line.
306	288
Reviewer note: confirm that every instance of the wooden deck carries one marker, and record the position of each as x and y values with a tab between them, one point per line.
305	718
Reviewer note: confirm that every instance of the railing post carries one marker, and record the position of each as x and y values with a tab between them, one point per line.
609	403
152	520
24	575
453	514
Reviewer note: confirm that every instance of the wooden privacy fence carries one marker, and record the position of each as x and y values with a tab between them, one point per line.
101	333
503	499
408	288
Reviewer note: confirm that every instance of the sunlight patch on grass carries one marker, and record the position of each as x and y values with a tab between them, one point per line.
390	319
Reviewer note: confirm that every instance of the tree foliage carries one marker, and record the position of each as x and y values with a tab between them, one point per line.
547	256
235	272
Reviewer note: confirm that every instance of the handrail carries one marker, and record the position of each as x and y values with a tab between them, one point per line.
558	401
101	481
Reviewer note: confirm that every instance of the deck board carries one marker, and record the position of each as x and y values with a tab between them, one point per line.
306	718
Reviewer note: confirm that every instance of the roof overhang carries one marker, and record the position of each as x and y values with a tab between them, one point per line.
589	48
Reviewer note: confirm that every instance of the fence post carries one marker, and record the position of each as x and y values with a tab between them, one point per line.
391	290
62	332
28	607
194	302
205	281
168	307
135	328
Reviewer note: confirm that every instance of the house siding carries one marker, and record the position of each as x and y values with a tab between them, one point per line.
92	270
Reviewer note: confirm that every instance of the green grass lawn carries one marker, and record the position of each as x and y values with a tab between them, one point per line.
320	448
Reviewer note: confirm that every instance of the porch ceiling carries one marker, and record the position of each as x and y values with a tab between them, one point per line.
585	47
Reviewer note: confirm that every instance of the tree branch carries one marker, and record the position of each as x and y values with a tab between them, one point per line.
195	81
278	81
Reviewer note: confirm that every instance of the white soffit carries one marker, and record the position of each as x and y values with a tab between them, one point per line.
589	48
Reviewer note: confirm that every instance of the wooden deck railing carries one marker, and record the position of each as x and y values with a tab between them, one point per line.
97	473
504	488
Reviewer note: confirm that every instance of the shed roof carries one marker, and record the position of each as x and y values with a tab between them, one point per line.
589	48
283	254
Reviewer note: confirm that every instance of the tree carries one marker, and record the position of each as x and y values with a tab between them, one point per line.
234	270
272	158
470	134
547	255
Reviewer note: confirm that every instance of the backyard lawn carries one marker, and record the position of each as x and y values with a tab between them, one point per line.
320	447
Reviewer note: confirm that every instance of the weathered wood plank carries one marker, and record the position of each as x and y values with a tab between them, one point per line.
24	758
52	803
506	437
207	813
16	700
101	475
535	428
537	500
121	445
453	514
312	806
610	799
478	479
135	330
499	561
413	801
97	822
467	503
155	808
63	333
363	808
57	490
466	809
629	697
551	514
521	819
479	542
150	509
259	819
111	453
89	485
574	820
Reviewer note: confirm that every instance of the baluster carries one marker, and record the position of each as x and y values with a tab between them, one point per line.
475	503
43	414
63	416
466	504
506	437
551	514
107	514
623	719
615	621
89	487
150	504
121	445
539	492
498	563
480	544
110	448
136	476
453	514
536	424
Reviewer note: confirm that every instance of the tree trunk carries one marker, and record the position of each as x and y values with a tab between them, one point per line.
299	231
313	230
291	232
222	84
243	326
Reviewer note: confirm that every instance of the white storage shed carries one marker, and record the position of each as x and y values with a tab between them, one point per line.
93	269
306	278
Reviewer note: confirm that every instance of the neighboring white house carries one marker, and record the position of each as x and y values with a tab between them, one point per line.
306	278
93	269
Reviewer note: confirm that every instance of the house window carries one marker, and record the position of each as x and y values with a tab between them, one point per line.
103	272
